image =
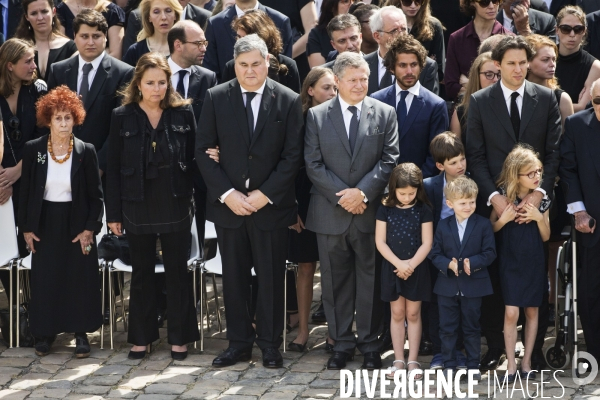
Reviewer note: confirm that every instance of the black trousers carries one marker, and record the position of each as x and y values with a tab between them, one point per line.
182	327
266	250
588	297
460	313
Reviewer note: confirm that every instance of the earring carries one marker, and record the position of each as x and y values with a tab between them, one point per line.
140	92
29	26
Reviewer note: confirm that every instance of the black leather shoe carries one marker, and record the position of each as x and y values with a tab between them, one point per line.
371	361
338	360
293	346
492	359
82	345
42	346
231	356
329	347
319	314
179	355
162	317
386	340
538	362
426	348
272	358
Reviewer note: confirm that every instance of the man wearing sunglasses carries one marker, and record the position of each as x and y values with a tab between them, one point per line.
510	111
518	17
580	176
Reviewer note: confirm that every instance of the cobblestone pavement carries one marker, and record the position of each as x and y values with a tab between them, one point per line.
109	374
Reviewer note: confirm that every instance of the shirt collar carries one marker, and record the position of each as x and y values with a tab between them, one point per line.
463	224
95	62
4	3
345	105
470	29
379	57
413	90
258	91
506	16
175	68
241	12
508	92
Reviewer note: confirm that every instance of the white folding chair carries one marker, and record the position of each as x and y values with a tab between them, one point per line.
119	266
9	254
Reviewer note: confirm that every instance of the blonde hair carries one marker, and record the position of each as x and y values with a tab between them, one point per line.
147	27
536	42
521	156
461	188
11	52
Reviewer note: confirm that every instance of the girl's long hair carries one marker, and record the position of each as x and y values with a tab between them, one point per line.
311	80
521	156
11	52
474	84
405	175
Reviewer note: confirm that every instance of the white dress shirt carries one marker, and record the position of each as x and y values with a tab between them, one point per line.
548	3
58	180
241	12
95	64
462	226
508	22
175	75
348	115
412	92
381	70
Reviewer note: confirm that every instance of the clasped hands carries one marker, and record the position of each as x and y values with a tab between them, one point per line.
352	200
453	266
244	205
523	213
403	269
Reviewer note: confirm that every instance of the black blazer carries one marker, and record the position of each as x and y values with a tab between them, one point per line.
291	80
270	161
434	188
592	45
580	166
15	11
221	37
539	5
491	135
201	79
134	23
102	98
540	22
86	188
558	5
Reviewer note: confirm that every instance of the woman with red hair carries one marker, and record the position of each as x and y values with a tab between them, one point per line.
60	210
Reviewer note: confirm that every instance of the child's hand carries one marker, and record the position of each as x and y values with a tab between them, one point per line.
508	214
467	266
531	213
453	266
403	270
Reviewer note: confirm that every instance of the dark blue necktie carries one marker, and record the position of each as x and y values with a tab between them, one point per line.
353	129
180	87
401	109
249	113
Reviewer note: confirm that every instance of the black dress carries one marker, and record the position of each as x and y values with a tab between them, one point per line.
113	14
56	55
318	42
572	72
135	51
403	236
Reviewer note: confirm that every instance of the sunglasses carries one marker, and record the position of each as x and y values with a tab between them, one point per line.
533	174
485	3
14	123
408	3
489	75
566	29
596	100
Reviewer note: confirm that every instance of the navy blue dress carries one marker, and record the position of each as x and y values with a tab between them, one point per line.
521	260
403	236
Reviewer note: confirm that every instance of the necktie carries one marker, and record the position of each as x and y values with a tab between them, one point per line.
401	108
85	85
180	87
353	131
386	80
249	113
515	118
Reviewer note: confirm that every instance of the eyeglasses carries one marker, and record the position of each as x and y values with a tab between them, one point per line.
533	174
596	100
200	43
408	3
14	123
485	3
395	32
489	75
566	29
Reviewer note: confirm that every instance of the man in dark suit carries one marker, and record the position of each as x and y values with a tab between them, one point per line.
524	20
351	147
592	43
386	24
187	45
134	22
580	176
510	111
221	37
421	114
251	194
10	16
95	76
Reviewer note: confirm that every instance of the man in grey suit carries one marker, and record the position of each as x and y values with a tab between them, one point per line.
510	111
350	149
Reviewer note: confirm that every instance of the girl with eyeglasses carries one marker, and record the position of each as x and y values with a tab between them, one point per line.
483	73
576	69
463	44
19	91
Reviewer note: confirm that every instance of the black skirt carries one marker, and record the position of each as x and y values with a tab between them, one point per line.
303	246
65	283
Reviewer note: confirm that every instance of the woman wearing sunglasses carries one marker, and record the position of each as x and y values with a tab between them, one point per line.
463	44
576	69
19	91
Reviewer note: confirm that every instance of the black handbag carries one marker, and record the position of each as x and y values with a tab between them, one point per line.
112	247
25	337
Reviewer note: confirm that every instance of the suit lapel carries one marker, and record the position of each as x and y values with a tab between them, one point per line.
374	76
470	225
77	158
98	82
529	103
501	111
189	13
335	115
231	13
42	160
71	74
265	108
366	116
239	111
454	230
592	138
194	84
438	194
415	108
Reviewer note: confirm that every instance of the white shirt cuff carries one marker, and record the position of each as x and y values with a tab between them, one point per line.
224	195
543	192
489	202
572	208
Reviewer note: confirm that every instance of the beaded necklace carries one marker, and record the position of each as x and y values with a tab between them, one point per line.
68	151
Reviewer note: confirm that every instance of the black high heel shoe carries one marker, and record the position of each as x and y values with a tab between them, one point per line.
297	347
138	355
179	355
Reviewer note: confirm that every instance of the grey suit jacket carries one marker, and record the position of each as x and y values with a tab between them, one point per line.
332	167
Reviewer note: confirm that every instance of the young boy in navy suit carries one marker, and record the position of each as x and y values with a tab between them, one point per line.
448	153
463	248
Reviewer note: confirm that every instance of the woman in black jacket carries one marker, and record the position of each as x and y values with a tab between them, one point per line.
149	192
60	209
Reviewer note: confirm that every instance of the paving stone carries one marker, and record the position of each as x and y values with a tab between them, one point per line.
278	396
165	388
18	352
15	362
182	379
196	360
58	384
264	373
325	384
245	390
4	379
123	394
91	389
200	393
72	374
296	378
29	381
113	370
10	371
319	393
157	355
296	389
78	396
212	384
10	394
121	359
155	365
233	397
101	354
45	368
307	367
156	397
220	374
183	370
50	393
330	374
103	380
57	359
139	379
254	382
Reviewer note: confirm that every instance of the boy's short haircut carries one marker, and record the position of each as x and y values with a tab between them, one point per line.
446	146
462	187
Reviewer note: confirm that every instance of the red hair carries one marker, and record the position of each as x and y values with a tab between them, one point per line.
59	99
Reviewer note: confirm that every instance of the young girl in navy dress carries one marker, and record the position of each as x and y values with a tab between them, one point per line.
404	235
521	252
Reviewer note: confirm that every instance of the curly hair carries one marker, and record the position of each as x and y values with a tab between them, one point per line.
537	42
405	175
405	44
59	99
257	21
